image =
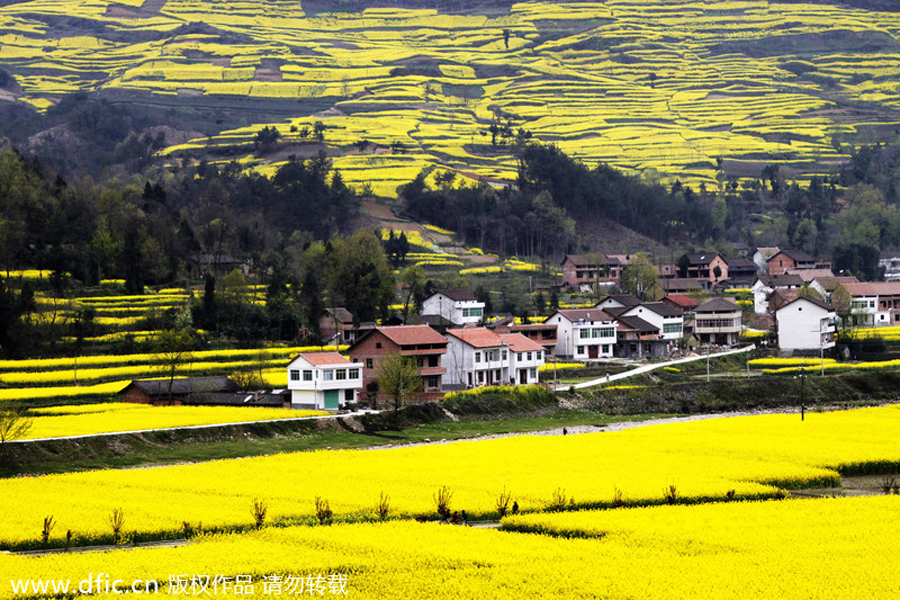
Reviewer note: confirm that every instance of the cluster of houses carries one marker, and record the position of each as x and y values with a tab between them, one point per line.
457	348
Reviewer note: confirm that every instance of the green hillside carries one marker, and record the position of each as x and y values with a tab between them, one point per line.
676	87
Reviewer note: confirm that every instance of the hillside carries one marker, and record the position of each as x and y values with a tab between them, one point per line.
664	88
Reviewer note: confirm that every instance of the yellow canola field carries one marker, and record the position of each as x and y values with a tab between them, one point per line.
115	417
826	549
703	459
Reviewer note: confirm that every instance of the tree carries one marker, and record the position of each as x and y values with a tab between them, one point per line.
360	275
412	282
319	131
14	424
398	378
173	349
639	276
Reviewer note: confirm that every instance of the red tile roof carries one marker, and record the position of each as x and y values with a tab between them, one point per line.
477	337
323	358
519	343
408	335
680	300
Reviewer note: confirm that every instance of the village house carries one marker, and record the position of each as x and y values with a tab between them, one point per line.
539	333
707	266
718	321
458	307
336	325
668	320
889	264
176	392
637	339
681	285
784	260
477	356
805	324
685	304
618	301
874	304
825	286
323	381
741	272
765	284
420	342
584	333
761	258
588	269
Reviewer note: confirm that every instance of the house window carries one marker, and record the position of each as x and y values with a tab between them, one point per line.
532	374
503	355
378	345
433	361
432	383
671	327
307	374
369	364
478	357
348	395
353	374
490	356
584	333
295	375
529	356
538	354
579	350
341	374
329	375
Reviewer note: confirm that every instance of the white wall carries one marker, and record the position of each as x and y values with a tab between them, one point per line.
799	326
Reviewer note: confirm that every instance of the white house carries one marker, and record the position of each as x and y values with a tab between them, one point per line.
618	301
456	306
584	333
875	303
668	319
323	380
478	356
764	285
805	324
526	358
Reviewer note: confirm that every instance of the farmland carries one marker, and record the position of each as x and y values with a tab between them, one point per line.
745	458
663	88
791	548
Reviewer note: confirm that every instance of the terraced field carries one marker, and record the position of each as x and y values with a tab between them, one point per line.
658	86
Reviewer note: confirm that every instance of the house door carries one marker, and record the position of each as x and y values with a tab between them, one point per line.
592	351
523	376
332	398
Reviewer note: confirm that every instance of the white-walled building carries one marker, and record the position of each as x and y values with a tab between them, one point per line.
455	306
478	356
668	319
764	285
805	324
323	380
526	358
584	333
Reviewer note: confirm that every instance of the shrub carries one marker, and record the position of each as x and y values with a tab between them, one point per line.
259	509
618	498
384	506
670	494
442	500
503	502
558	500
48	527
323	511
116	521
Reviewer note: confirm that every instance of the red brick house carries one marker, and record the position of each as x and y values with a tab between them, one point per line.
707	266
789	259
587	269
420	342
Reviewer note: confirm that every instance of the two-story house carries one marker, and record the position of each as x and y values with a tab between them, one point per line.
478	356
705	266
323	380
336	326
455	306
584	333
783	260
875	304
669	320
543	334
420	342
805	324
718	321
587	269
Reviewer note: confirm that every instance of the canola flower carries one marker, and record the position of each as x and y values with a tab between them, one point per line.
754	456
119	416
830	549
